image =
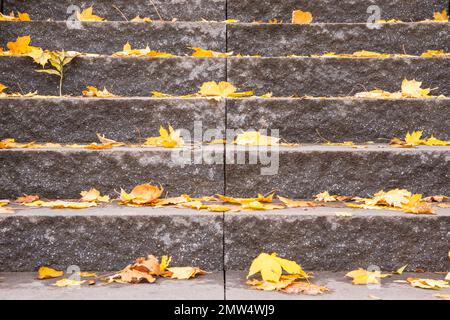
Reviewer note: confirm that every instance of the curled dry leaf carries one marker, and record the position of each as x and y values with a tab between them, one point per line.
49	273
141	195
428	283
362	276
93	195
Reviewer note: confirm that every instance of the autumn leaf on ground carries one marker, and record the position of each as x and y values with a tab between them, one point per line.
440	16
168	139
400	270
2	88
256	205
128	51
94	92
48	273
59	204
271	267
184	273
435	53
141	195
222	89
428	283
362	276
255	138
389	21
217	208
356	54
172	201
105	140
27	198
204	53
20	46
415	139
87	15
87	274
4	203
68	283
269	285
12	17
325	197
93	195
301	17
261	198
304	287
412	89
296	203
139	19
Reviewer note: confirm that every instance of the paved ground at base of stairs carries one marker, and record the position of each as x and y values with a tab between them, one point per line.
17	286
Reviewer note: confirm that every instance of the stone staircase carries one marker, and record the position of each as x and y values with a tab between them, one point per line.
107	238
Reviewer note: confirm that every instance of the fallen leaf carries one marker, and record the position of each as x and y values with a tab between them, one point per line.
296	203
139	19
167	138
435	53
428	283
48	273
301	17
203	53
128	51
105	140
59	204
271	267
440	16
222	89
93	195
68	283
94	92
87	274
27	198
302	287
412	89
20	46
325	197
12	17
184	273
439	198
400	270
362	276
87	15
255	138
217	208
269	285
141	194
256	205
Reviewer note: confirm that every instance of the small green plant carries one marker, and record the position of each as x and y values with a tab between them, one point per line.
58	60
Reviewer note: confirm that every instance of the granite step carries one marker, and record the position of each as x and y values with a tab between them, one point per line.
77	120
120	10
332	11
129	76
304	171
312	120
335	76
109	238
64	172
320	240
109	37
315	39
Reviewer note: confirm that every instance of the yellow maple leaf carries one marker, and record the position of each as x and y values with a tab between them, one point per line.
271	267
222	89
87	15
301	17
255	138
412	89
12	17
433	141
48	273
361	276
184	273
441	16
93	195
20	46
167	138
204	53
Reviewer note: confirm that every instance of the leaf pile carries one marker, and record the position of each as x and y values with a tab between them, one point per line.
415	139
12	17
409	89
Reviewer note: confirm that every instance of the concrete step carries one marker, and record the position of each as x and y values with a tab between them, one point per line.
302	172
130	76
25	286
116	10
109	238
358	120
320	240
287	39
110	37
331	11
64	172
335	76
340	287
77	120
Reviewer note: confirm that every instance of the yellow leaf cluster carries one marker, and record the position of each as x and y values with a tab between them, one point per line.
12	17
167	138
128	51
415	139
440	16
88	15
362	276
428	283
94	92
301	17
203	53
409	89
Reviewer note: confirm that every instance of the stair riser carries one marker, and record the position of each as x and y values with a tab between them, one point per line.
64	173
355	172
335	76
332	11
181	9
340	120
332	243
284	40
127	120
109	242
108	38
121	76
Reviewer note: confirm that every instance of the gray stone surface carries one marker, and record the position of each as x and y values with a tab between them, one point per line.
110	37
25	286
335	76
109	238
190	10
332	11
307	170
299	120
70	120
133	76
319	240
340	287
63	173
287	39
